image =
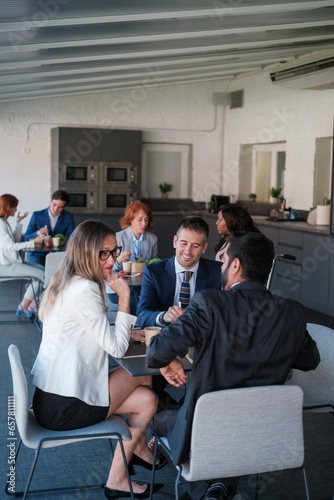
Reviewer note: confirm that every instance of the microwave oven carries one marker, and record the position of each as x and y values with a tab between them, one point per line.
83	201
115	200
120	174
85	174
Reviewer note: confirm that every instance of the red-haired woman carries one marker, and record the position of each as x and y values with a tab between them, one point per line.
137	241
10	260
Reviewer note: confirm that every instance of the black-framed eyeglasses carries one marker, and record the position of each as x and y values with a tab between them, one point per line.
105	254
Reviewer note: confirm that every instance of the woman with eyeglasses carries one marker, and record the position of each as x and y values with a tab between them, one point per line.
73	386
232	218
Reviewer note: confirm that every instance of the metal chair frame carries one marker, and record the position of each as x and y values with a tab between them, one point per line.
37	437
250	456
25	282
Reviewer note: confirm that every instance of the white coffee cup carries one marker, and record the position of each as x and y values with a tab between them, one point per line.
127	266
56	241
151	331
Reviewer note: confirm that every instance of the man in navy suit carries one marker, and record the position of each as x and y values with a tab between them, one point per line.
52	220
160	289
243	336
159	301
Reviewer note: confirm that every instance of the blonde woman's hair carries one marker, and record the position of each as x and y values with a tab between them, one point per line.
81	259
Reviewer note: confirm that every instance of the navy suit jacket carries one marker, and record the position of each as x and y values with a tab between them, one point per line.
243	337
158	287
65	225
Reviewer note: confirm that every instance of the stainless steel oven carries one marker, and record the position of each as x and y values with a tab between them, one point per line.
83	201
115	200
84	174
120	174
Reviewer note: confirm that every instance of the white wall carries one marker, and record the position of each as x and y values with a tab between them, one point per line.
273	113
182	114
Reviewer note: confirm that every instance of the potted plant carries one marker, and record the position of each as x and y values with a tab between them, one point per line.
252	196
165	188
274	193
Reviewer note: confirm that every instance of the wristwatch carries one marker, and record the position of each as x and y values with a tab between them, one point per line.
161	319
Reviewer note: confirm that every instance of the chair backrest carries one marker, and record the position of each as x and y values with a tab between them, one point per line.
318	384
52	262
20	391
246	431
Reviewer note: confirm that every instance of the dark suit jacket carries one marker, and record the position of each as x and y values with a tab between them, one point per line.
158	287
241	337
65	225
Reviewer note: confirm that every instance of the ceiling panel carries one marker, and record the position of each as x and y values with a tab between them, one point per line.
65	47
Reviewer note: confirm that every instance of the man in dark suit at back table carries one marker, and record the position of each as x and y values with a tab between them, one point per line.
242	336
52	220
160	301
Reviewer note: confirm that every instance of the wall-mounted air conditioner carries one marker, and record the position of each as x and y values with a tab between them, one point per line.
310	72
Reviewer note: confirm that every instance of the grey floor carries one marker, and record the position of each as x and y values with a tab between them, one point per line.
89	463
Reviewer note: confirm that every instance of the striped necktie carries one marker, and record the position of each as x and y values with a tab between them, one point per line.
184	297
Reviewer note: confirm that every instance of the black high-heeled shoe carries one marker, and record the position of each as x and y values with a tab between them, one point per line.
135	460
111	493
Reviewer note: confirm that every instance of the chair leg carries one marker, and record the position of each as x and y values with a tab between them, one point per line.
126	469
306	484
32	470
177	484
257	486
66	488
153	467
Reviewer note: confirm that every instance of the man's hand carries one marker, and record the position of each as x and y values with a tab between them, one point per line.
138	335
174	373
173	313
43	231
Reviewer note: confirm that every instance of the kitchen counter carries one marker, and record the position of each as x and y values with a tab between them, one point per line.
289	224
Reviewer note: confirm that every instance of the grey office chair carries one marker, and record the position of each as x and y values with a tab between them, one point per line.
37	437
239	432
318	384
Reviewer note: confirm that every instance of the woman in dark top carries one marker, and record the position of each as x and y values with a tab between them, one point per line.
232	218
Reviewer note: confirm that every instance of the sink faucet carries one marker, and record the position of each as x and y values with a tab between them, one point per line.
283	207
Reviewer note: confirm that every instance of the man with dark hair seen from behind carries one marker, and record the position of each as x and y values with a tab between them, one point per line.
50	221
250	336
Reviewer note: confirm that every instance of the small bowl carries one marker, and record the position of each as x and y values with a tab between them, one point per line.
138	267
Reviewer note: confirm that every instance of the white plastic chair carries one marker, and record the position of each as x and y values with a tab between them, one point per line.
240	432
318	384
37	437
52	261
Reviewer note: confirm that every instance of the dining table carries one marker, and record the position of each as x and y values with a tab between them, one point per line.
134	361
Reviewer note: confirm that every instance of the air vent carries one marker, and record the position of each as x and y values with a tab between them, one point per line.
302	70
236	99
315	74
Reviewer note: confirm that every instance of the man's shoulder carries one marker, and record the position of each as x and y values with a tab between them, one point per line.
67	214
210	264
40	212
157	267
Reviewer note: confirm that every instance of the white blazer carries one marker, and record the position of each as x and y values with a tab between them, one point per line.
9	246
77	338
